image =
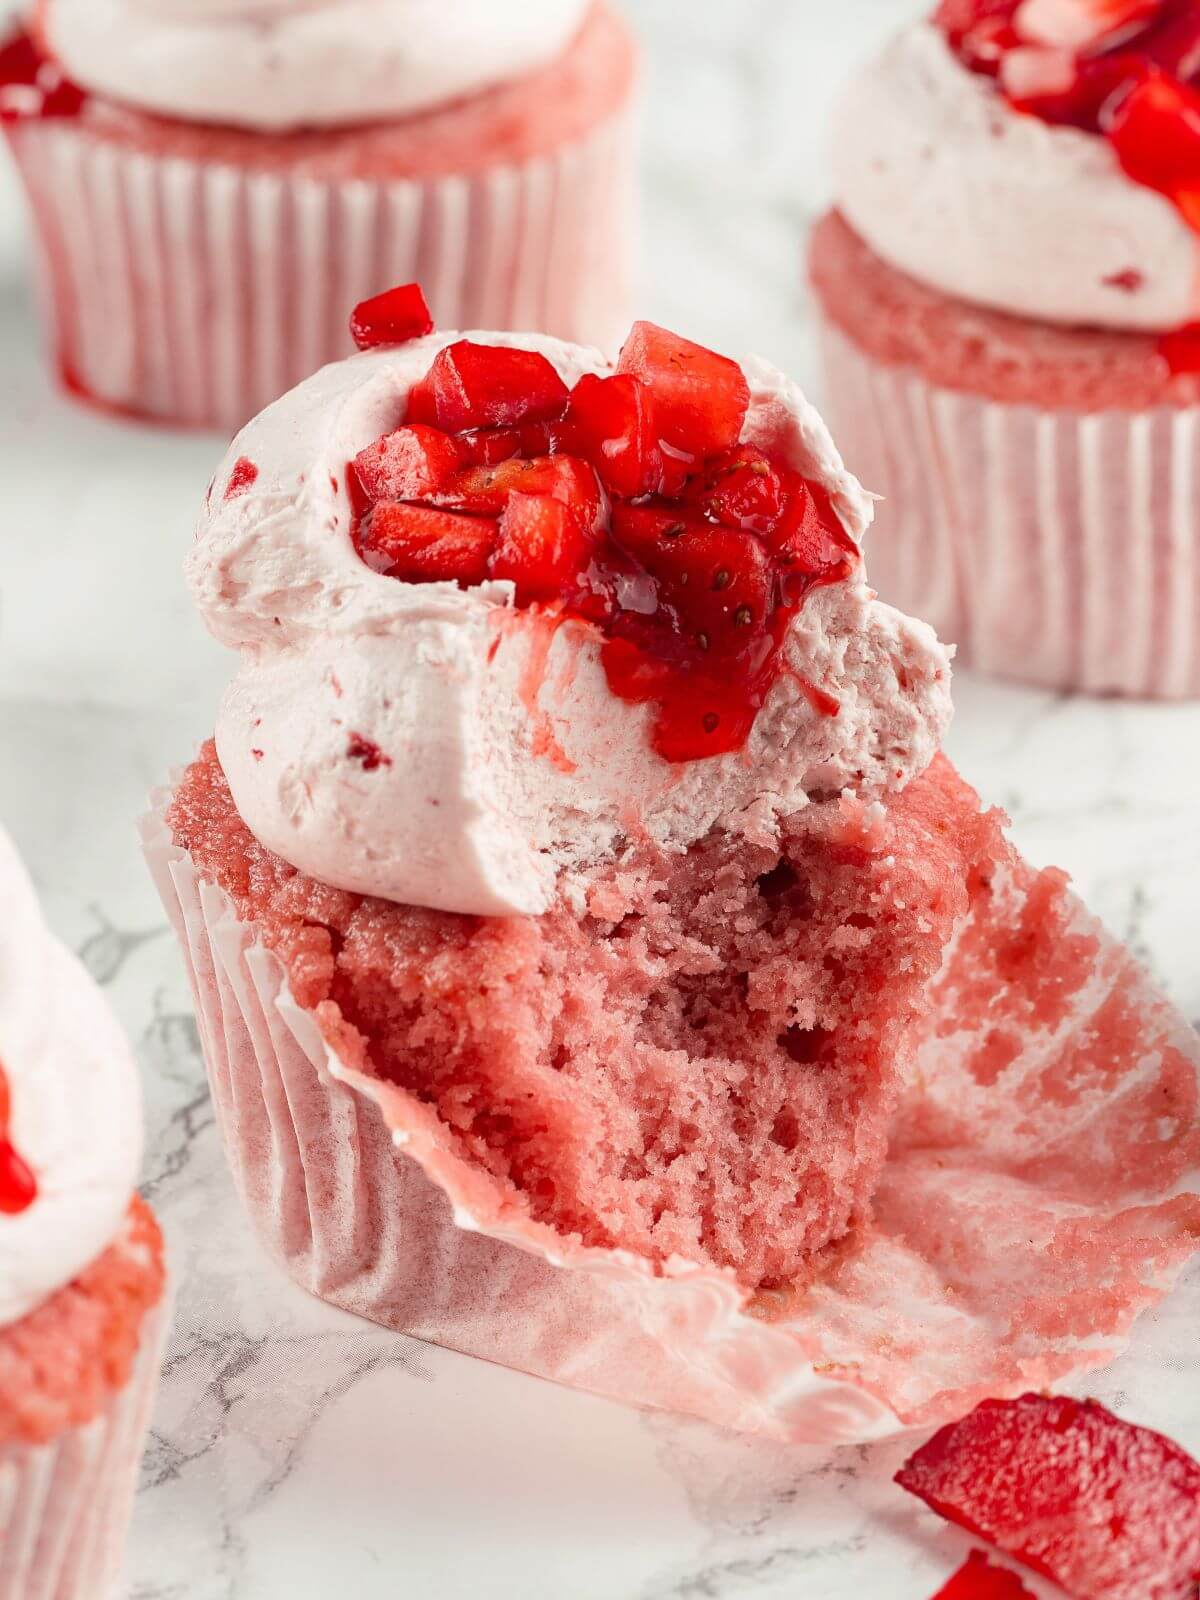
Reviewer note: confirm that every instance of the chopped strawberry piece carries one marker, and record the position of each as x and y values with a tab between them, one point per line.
1107	1510
487	386
740	489
393	317
486	489
543	548
809	541
487	447
407	465
18	1186
700	398
611	423
1181	349
979	1579
420	545
715	583
1155	130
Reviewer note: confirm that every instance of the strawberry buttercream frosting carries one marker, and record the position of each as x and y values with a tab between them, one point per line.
438	746
277	65
947	180
72	1134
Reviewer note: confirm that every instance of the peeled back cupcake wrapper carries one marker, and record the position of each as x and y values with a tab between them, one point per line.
1058	546
1043	1188
148	316
65	1506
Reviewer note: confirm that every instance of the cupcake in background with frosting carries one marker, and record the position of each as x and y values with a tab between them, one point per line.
82	1285
1008	286
213	181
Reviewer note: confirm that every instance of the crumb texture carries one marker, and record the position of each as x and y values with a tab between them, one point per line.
702	1064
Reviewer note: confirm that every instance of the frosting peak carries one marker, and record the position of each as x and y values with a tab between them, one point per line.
435	746
278	65
73	1117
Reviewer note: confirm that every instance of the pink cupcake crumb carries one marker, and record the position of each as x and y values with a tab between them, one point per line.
62	1364
702	1064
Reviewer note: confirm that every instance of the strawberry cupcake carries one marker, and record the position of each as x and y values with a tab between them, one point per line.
1007	288
576	905
81	1268
212	182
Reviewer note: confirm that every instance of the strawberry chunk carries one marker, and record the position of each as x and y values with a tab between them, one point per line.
418	544
700	398
393	317
487	447
543	548
611	423
486	489
1155	130
1107	1510
487	386
808	541
740	489
979	1579
407	465
716	584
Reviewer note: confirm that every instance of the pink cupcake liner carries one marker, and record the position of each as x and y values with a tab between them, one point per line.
199	292
1056	547
1040	1192
65	1506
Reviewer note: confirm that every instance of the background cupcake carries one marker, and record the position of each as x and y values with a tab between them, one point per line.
212	184
81	1270
1002	286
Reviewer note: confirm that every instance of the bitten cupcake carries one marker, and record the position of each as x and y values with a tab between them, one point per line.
82	1310
1007	287
597	966
213	183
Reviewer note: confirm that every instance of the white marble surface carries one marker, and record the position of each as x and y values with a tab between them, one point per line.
295	1453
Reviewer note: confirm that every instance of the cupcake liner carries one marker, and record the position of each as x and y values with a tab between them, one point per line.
65	1506
1060	548
197	292
1040	1192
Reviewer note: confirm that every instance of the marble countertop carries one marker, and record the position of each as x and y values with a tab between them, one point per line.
296	1453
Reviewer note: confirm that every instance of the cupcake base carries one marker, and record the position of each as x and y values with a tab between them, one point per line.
194	275
1039	485
65	1505
1038	1194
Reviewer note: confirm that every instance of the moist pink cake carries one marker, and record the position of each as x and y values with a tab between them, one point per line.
598	968
199	265
1007	291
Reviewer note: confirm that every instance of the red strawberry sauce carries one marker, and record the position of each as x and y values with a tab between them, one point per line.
18	1186
628	503
1133	82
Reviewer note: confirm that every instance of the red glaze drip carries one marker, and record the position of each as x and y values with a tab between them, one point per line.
33	86
628	504
1132	82
18	1186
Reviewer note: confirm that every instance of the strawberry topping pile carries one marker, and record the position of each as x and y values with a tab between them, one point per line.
18	1186
628	502
1107	1510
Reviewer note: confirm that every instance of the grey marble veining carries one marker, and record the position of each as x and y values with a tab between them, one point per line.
297	1454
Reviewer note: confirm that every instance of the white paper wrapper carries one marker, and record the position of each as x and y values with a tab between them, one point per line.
1055	547
958	1291
198	293
65	1506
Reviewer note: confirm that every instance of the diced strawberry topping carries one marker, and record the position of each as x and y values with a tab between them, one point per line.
420	545
18	1186
32	86
394	317
628	504
487	386
700	398
1155	130
407	465
1107	1510
979	1579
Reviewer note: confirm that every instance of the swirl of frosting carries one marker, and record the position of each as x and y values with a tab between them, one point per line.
944	179
74	1105
278	65
438	747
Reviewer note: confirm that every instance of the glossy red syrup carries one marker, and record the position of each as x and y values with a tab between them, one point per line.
1133	81
32	86
628	503
18	1186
